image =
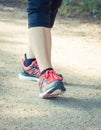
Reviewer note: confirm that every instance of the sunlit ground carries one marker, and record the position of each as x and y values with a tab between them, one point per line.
76	54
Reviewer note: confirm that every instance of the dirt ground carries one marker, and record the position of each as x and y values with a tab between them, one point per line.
76	54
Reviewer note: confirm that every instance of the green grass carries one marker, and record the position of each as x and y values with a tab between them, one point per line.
81	7
90	8
22	1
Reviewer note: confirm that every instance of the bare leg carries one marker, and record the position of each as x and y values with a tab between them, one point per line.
30	54
40	43
48	43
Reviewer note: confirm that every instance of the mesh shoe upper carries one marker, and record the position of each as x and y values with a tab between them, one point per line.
32	69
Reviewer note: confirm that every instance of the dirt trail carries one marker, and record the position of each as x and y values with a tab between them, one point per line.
76	54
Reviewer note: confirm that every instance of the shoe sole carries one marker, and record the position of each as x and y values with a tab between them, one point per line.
55	91
23	77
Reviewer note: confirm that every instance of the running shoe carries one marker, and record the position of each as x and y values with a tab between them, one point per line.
51	84
30	72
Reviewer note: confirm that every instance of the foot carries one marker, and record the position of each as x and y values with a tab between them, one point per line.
51	84
30	72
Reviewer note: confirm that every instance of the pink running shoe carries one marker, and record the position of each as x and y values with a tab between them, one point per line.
31	72
51	84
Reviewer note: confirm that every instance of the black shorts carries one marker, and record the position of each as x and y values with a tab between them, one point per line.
42	12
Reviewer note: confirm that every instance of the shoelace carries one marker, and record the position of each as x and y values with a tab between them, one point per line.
51	76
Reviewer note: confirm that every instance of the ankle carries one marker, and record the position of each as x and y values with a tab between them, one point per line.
28	61
42	72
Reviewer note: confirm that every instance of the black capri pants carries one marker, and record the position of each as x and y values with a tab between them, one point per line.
42	12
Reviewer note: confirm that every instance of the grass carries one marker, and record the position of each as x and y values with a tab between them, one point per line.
90	8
